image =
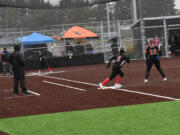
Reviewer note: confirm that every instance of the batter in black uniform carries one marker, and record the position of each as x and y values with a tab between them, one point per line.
152	53
17	62
116	69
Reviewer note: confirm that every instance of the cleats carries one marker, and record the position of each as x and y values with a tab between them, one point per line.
117	86
26	92
165	79
101	86
145	80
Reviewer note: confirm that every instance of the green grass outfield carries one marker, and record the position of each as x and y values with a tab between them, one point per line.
147	119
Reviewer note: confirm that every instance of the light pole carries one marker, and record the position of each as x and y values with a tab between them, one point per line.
108	20
134	11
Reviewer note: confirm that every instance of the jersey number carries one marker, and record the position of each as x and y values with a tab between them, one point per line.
153	52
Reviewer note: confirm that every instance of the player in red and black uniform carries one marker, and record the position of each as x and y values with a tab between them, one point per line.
43	63
116	69
152	53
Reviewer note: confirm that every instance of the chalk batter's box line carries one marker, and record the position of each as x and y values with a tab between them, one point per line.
19	96
6	90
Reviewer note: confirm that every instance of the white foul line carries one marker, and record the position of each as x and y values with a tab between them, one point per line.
29	91
6	90
32	92
43	73
19	96
125	90
64	86
148	94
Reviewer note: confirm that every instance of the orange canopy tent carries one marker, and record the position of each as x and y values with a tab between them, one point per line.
77	32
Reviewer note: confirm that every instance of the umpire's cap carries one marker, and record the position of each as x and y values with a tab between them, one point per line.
17	47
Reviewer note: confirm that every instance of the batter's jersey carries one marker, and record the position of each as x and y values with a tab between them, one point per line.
120	60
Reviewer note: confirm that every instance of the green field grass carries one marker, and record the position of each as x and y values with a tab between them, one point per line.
147	119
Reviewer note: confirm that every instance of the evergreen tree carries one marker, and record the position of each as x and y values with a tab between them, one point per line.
145	8
123	10
153	8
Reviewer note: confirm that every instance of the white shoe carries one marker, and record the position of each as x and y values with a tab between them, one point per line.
50	71
165	79
145	80
101	86
117	86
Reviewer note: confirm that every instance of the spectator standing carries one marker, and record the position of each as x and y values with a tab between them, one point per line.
18	64
69	48
5	62
173	46
157	41
79	48
114	45
177	40
89	49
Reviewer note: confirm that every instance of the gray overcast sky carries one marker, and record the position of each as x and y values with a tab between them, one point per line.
177	2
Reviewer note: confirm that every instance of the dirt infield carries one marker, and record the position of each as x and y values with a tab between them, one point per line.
2	133
75	88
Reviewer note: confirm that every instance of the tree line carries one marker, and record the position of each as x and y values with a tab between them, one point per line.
68	11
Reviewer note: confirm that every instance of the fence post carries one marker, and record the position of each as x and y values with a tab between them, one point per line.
119	32
22	45
102	38
64	44
142	37
165	36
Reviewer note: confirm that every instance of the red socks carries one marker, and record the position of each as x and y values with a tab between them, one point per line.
49	69
105	81
118	79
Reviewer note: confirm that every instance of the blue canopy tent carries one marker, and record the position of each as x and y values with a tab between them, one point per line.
35	38
35	41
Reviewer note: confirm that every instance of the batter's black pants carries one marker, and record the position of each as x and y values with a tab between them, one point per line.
116	70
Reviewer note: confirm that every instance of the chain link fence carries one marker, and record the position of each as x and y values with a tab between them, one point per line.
132	36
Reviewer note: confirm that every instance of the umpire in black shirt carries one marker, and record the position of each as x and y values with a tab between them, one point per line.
17	61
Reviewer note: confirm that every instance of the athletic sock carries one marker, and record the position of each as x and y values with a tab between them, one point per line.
49	69
118	79
105	81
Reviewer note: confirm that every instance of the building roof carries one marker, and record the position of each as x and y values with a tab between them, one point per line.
158	21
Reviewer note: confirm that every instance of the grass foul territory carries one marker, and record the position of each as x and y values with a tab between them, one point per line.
146	119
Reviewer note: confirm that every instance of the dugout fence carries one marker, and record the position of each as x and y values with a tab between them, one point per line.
132	36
